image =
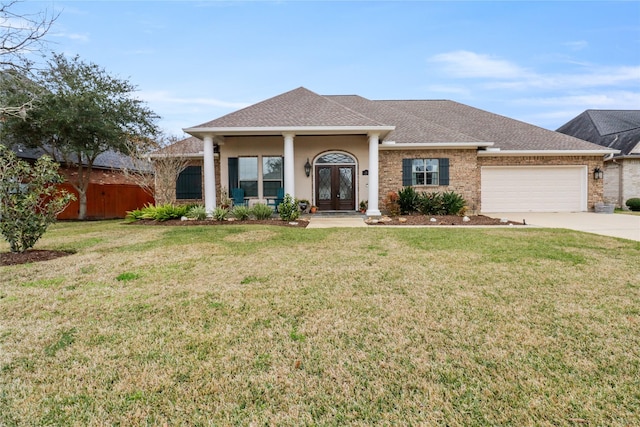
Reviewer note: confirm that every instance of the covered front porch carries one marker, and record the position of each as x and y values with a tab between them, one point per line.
333	168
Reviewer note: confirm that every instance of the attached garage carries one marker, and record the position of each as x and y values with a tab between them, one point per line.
534	188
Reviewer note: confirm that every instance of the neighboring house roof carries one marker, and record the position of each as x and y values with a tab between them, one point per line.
405	122
616	129
106	160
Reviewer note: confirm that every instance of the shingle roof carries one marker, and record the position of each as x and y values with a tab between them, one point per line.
107	160
617	129
419	121
299	107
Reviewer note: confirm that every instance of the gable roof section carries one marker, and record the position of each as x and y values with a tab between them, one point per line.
615	129
297	108
505	133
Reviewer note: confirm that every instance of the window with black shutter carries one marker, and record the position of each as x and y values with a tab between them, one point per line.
428	172
189	183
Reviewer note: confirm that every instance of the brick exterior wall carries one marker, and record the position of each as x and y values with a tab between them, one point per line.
464	175
464	171
621	181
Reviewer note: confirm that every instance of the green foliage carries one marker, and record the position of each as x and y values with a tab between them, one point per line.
82	112
220	214
408	200
261	211
158	213
127	276
633	204
430	203
288	209
29	199
198	212
452	203
241	212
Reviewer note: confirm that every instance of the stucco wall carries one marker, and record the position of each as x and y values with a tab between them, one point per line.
305	147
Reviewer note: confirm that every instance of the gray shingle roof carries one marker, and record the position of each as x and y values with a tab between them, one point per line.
617	129
419	121
111	160
299	107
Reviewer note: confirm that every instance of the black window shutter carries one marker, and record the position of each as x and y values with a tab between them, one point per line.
233	173
443	165
189	183
406	172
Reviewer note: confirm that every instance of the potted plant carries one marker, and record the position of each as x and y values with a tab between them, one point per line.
313	209
364	205
303	204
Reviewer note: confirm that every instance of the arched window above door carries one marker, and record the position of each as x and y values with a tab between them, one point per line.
336	158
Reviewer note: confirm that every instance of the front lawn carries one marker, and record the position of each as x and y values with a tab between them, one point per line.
264	325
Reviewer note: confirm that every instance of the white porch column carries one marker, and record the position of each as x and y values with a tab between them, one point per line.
209	176
373	209
289	171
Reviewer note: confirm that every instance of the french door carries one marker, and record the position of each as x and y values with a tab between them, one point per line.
335	187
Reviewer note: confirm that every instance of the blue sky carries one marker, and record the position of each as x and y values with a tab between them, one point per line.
543	62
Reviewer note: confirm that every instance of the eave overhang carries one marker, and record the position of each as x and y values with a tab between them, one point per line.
390	145
519	153
201	132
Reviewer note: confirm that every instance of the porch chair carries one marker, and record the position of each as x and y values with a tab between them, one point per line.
237	195
278	199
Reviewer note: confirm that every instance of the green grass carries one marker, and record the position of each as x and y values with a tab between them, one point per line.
241	325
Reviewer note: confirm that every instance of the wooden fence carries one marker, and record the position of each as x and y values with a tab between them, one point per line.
107	201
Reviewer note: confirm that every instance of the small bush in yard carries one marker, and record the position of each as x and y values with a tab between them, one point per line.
452	203
29	199
391	203
220	214
408	200
261	211
430	203
288	209
241	213
634	204
197	212
169	211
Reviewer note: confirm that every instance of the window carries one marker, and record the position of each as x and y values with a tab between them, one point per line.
189	183
425	172
272	176
248	175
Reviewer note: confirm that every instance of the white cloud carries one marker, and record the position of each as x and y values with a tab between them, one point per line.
620	100
467	64
577	45
165	97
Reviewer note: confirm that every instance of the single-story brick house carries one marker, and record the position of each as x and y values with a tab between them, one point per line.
338	150
618	130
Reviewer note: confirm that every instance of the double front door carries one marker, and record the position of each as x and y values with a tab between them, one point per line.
335	187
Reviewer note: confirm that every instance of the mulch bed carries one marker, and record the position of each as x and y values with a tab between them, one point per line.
442	220
33	255
177	222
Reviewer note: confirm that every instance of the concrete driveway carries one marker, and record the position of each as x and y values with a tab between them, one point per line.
614	225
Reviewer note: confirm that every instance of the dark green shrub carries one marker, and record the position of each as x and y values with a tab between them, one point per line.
430	203
408	200
452	203
633	204
241	213
261	211
288	209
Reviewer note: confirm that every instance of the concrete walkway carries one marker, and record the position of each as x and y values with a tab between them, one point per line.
317	221
614	225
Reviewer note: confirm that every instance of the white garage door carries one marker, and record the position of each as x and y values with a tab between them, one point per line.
534	188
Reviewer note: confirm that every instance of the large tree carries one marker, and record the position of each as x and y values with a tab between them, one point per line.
21	37
81	113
